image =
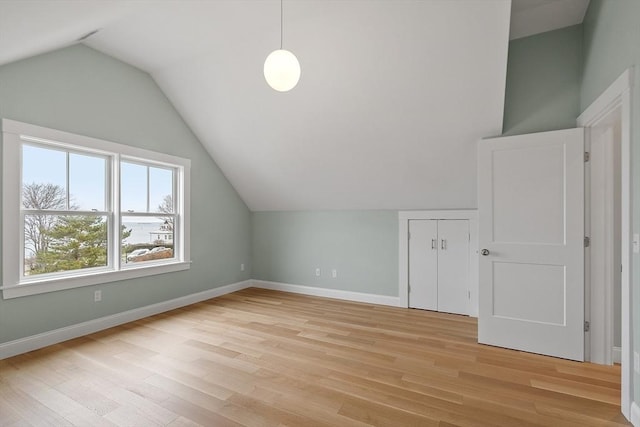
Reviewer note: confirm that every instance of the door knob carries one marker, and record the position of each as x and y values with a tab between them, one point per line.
485	252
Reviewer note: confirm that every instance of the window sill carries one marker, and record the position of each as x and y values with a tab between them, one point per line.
97	278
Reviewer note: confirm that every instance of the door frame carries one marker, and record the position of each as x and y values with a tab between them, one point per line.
618	95
600	175
403	250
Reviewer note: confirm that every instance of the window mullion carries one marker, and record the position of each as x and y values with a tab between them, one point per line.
177	202
148	189
22	245
67	184
115	247
63	212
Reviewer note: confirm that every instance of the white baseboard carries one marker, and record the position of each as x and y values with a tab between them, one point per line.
34	342
635	414
617	355
328	293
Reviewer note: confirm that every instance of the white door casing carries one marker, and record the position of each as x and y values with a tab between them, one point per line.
531	222
453	266
423	264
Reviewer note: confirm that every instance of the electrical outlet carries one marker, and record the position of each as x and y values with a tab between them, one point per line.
97	296
636	362
241	267
334	273
317	272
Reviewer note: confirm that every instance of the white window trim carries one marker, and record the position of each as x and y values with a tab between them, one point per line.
14	133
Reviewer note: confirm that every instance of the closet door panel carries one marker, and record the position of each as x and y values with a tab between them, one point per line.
423	264
453	266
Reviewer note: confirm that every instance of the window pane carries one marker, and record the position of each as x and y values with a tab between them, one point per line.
133	184
146	239
161	190
87	182
44	178
64	242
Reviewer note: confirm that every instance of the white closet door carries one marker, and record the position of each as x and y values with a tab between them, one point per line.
453	266
423	264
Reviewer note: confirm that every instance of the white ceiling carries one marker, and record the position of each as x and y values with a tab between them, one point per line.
530	17
393	97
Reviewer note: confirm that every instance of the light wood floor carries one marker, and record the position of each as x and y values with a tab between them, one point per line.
265	358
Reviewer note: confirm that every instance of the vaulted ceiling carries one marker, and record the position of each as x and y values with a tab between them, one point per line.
394	94
530	17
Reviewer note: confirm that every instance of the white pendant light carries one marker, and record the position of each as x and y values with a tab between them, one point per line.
281	68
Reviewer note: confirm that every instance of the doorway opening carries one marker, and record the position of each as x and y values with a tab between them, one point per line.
608	118
603	304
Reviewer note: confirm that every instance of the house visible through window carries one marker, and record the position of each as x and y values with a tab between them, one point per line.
147	198
81	211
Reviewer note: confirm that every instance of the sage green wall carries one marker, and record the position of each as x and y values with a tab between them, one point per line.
611	45
361	245
543	82
80	90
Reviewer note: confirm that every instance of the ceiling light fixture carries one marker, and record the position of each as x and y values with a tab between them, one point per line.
281	68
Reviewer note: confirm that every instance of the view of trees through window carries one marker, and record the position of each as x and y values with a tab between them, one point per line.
55	242
66	214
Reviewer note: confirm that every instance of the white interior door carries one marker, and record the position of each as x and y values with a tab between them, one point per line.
423	264
531	233
453	266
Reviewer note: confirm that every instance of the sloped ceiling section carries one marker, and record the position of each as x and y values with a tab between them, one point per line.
530	17
31	27
394	94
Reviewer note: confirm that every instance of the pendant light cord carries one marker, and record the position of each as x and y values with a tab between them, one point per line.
281	25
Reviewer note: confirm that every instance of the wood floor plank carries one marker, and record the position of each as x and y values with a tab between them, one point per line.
87	396
65	410
266	358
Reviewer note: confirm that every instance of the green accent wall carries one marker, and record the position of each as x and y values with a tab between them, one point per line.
611	45
80	90
543	82
361	245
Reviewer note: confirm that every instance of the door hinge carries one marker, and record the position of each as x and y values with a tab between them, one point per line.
587	326
587	156
409	287
587	242
469	294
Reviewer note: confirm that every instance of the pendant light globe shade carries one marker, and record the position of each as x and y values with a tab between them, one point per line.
282	70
